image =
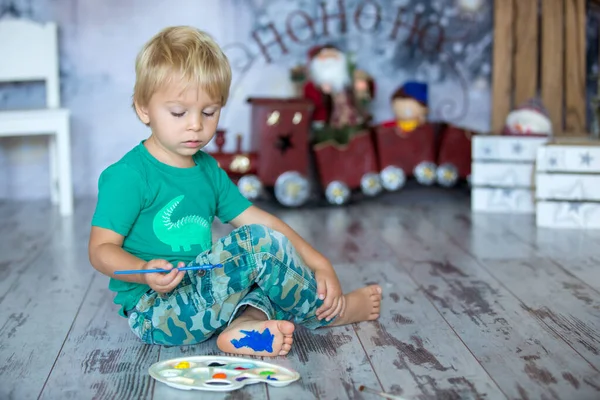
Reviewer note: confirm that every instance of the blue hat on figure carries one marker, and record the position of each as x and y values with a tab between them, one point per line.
414	90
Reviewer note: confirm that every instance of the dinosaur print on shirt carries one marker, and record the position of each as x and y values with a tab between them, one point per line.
184	233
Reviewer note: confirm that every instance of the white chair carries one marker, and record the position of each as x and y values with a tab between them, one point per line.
29	52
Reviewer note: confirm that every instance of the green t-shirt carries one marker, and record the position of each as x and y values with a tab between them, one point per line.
163	212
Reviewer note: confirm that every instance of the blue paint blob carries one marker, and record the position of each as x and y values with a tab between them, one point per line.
241	378
256	341
271	379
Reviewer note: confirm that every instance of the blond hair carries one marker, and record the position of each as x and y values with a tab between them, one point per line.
185	52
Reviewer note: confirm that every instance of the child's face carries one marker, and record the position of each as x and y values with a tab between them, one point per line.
182	120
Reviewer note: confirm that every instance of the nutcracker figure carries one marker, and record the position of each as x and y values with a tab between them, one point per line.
406	145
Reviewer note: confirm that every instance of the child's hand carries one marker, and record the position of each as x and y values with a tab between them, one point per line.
328	288
163	282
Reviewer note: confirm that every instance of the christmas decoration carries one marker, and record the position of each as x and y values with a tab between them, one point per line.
342	169
454	155
406	144
280	131
503	173
340	94
345	156
238	163
530	118
568	184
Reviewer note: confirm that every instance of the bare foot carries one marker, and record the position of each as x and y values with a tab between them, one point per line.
252	334
363	304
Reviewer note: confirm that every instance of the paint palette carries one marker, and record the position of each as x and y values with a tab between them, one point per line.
219	374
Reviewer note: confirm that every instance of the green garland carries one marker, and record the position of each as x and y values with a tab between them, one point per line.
339	136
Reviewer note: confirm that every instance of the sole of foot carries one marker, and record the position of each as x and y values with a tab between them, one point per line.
257	338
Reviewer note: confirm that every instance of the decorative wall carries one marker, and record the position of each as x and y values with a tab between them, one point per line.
447	43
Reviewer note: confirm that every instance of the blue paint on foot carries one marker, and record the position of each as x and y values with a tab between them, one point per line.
256	341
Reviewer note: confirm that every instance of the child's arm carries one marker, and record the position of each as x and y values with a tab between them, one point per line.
107	256
328	285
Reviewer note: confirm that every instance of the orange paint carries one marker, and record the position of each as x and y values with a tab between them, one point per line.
220	375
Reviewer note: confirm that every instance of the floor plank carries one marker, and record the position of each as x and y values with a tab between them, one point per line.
40	300
585	269
522	233
524	360
414	352
101	358
464	315
565	305
25	232
332	364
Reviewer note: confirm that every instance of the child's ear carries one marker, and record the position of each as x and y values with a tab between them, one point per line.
142	112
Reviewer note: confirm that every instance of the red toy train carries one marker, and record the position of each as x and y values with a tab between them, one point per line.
373	160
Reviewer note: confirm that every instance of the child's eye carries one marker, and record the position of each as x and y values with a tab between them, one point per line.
209	114
178	115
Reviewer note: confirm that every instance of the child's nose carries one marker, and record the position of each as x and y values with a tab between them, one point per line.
196	124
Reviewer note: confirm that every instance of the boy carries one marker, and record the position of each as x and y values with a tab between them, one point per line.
155	209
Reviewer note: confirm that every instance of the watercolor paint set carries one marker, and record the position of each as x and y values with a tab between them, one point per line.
219	373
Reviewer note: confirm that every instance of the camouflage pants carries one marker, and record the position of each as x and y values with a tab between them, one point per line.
260	269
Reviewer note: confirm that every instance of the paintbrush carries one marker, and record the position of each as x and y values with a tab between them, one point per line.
148	271
362	388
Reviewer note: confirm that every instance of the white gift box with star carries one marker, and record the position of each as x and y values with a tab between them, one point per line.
503	173
568	184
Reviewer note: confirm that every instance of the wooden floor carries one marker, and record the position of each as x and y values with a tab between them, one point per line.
475	307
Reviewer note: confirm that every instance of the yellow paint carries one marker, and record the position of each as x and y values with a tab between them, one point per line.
182	365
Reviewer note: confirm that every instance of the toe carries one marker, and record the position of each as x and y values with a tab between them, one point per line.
376	289
286	327
285	349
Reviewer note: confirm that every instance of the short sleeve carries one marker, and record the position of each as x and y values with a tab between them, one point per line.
230	202
120	198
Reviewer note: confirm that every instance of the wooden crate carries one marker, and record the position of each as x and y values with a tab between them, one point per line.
502	174
539	49
568	184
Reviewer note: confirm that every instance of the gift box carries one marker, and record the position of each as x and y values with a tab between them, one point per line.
502	173
568	184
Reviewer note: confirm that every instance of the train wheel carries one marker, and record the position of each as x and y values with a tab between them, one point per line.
250	186
292	189
370	184
392	178
337	192
447	175
425	173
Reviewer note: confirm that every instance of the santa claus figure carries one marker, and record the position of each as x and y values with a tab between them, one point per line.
530	118
338	95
